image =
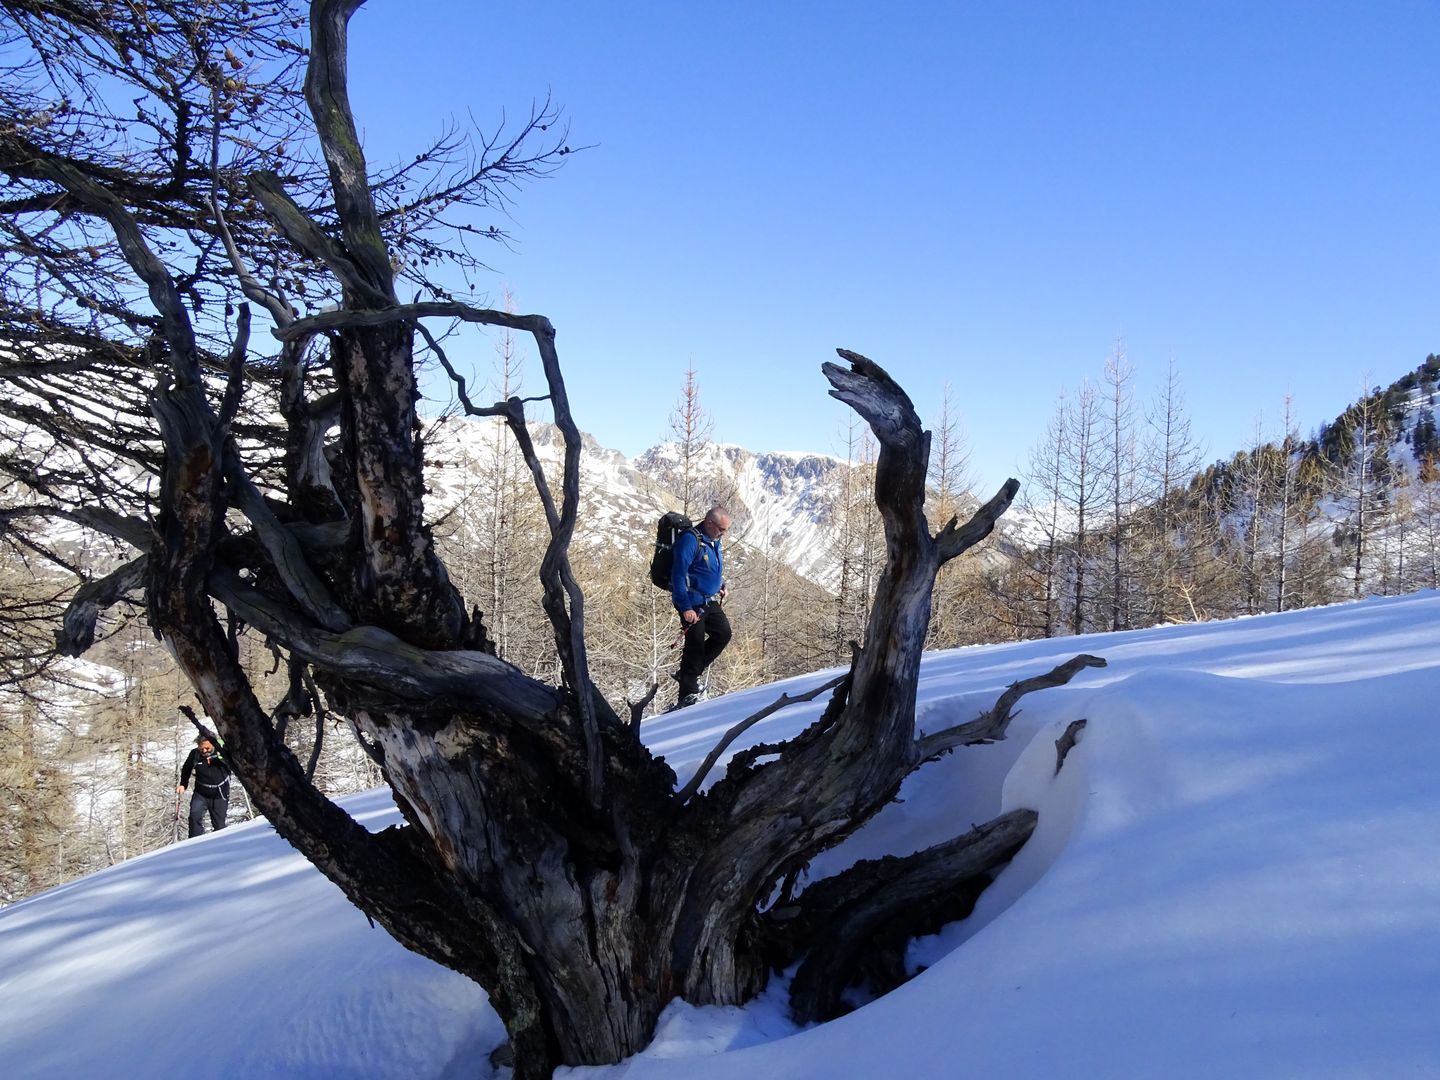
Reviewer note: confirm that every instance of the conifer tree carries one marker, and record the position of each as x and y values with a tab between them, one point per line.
957	590
692	428
1166	550
1040	578
1082	495
1360	477
1120	471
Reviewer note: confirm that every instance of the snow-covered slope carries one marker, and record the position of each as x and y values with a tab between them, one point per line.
1235	875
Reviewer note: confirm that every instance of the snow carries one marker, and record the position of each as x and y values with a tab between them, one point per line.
1236	873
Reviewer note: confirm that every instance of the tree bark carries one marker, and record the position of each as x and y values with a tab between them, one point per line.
865	916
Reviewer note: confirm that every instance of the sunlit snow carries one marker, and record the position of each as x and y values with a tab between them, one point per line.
1235	874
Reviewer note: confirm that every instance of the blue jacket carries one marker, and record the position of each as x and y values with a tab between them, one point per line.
697	572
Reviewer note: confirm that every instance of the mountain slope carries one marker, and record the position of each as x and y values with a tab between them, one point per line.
778	501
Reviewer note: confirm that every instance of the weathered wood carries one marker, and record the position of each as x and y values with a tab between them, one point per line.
556	576
990	726
637	708
760	822
77	632
130	530
1067	741
351	318
375	657
783	701
328	93
952	541
892	900
287	555
250	286
301	231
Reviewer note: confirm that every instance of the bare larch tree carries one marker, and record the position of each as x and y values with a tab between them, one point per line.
545	852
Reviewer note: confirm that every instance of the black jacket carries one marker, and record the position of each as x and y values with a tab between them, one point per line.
212	774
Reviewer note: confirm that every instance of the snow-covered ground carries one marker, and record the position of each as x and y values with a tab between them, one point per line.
1236	874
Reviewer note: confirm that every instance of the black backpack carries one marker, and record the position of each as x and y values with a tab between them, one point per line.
668	530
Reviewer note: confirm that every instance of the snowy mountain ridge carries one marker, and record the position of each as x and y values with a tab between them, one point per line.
778	500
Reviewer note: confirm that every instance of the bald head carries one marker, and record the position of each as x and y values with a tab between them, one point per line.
716	523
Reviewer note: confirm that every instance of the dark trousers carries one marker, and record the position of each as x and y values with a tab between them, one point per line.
204	801
704	641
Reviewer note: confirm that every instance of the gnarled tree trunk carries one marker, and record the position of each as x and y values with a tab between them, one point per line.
546	853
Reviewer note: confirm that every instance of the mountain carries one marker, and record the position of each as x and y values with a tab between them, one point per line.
778	501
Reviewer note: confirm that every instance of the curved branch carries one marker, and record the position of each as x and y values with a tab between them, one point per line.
313	241
990	726
344	319
636	709
280	311
952	541
285	550
179	333
328	95
894	899
77	631
377	658
556	573
131	530
235	371
784	700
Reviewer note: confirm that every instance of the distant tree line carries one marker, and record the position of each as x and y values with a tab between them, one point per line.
1126	531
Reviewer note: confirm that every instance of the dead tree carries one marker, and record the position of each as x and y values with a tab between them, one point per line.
545	852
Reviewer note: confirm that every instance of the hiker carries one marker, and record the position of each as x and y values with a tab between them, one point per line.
697	588
212	785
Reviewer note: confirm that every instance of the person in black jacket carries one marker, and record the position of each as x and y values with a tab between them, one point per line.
212	785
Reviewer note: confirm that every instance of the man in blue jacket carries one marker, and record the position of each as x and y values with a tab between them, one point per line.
697	587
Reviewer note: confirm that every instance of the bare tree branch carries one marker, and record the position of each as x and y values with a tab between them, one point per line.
328	93
78	631
952	541
376	657
895	898
280	311
637	708
1067	741
990	726
301	231
784	700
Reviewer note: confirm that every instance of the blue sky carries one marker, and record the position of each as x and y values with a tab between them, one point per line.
988	195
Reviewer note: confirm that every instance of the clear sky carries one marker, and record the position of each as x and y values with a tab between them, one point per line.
983	194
